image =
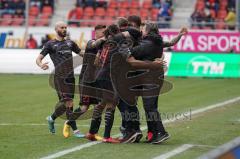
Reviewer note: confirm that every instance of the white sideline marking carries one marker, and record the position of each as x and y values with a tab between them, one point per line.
174	152
67	151
197	111
179	150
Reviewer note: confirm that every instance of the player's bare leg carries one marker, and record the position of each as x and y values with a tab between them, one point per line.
71	123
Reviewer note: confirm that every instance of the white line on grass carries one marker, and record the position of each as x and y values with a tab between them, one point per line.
67	151
179	150
197	111
174	152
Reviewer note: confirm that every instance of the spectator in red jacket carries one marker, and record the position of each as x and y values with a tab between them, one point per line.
31	43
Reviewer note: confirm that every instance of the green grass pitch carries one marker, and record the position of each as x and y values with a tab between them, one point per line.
28	99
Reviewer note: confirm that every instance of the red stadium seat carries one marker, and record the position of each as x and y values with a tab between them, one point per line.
17	20
154	13
44	16
7	20
144	13
47	10
221	14
34	11
122	12
108	20
220	24
124	4
42	22
98	20
113	4
147	4
73	25
195	28
32	21
85	22
207	28
223	4
213	13
135	4
88	11
100	12
79	13
134	12
111	12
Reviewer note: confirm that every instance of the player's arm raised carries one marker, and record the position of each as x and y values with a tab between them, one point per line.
175	40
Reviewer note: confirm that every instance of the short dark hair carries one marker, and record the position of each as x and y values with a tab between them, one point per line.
111	30
122	22
99	27
135	19
152	28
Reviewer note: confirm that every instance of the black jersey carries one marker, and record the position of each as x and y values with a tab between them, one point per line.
116	44
88	60
60	53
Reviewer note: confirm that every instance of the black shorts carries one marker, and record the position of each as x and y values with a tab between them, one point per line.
107	93
65	88
86	99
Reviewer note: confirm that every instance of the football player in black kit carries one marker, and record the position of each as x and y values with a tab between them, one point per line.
85	79
113	36
60	51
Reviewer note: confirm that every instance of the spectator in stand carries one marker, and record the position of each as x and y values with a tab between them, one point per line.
210	18
18	4
19	12
156	3
51	2
1	5
231	19
81	3
212	4
46	3
231	3
169	2
7	8
165	15
45	40
11	7
198	18
101	3
75	15
31	43
35	3
90	3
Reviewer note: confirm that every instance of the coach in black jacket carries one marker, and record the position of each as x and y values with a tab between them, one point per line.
150	48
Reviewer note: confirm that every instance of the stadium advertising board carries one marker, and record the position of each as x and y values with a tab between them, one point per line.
11	37
194	41
205	41
179	64
204	65
23	61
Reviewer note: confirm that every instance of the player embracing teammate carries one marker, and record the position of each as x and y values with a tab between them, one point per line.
135	48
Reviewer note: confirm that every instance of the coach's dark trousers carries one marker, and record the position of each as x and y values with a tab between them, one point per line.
153	117
130	116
